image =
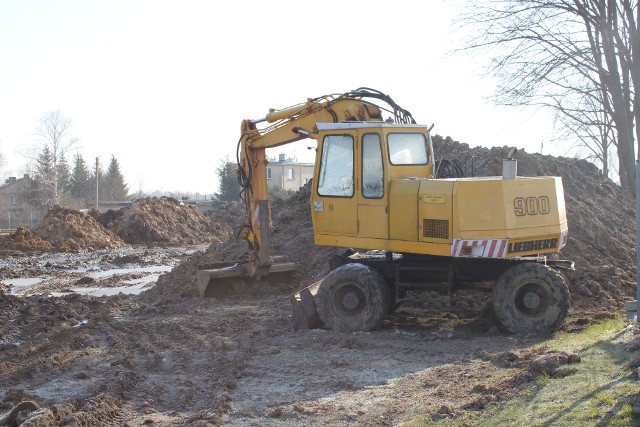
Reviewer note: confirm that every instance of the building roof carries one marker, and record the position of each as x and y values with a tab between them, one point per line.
12	180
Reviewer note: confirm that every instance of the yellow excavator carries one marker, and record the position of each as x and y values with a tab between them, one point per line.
378	187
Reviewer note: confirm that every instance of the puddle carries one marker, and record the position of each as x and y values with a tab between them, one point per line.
15	343
85	269
131	286
60	389
152	269
65	259
22	283
134	287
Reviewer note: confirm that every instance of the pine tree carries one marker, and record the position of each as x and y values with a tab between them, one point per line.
114	186
228	187
79	180
63	179
42	191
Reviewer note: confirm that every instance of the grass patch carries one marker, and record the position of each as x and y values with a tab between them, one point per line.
599	391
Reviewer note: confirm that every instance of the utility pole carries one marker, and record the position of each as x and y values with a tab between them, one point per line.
638	237
97	181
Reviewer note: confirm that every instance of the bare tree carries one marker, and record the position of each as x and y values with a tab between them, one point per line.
55	132
578	57
585	121
2	162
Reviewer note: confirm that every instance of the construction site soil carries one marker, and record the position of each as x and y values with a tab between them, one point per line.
95	330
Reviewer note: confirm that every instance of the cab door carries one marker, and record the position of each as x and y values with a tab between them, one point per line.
334	199
373	214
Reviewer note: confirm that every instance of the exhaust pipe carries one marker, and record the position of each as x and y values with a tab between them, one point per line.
510	165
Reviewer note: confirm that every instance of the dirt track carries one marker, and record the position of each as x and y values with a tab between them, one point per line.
172	361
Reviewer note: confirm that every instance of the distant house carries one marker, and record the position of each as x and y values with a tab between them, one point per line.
15	209
288	174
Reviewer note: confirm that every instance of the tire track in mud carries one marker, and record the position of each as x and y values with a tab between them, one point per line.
185	359
177	361
237	361
327	378
43	338
170	359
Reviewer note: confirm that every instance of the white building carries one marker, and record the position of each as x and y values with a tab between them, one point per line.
288	174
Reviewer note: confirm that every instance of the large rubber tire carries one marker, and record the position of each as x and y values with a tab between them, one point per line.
353	297
531	298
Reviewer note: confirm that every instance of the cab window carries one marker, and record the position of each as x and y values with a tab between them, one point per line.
335	177
372	172
407	149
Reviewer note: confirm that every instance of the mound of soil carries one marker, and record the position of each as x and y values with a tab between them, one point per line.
601	220
228	214
165	221
601	239
71	230
292	235
23	240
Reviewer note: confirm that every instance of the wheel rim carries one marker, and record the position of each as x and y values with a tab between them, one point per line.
532	299
349	300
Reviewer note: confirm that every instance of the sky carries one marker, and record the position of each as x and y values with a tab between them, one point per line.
164	85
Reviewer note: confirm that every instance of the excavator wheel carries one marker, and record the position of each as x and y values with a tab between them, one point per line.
531	298
353	297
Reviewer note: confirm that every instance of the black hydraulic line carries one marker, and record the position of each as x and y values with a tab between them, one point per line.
400	114
449	169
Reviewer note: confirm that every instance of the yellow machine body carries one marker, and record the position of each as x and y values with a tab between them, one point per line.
374	189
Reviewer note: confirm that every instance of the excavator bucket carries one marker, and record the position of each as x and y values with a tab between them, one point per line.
305	312
215	280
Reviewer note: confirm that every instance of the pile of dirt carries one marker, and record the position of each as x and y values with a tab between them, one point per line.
182	281
23	240
71	230
163	220
228	214
601	220
601	239
291	234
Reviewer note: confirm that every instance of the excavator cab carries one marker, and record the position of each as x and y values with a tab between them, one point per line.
355	164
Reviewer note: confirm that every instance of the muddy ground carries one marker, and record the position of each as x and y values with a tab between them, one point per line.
155	360
162	356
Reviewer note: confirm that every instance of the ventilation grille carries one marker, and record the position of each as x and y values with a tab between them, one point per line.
436	228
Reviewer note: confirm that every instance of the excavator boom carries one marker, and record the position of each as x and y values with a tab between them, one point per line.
284	126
